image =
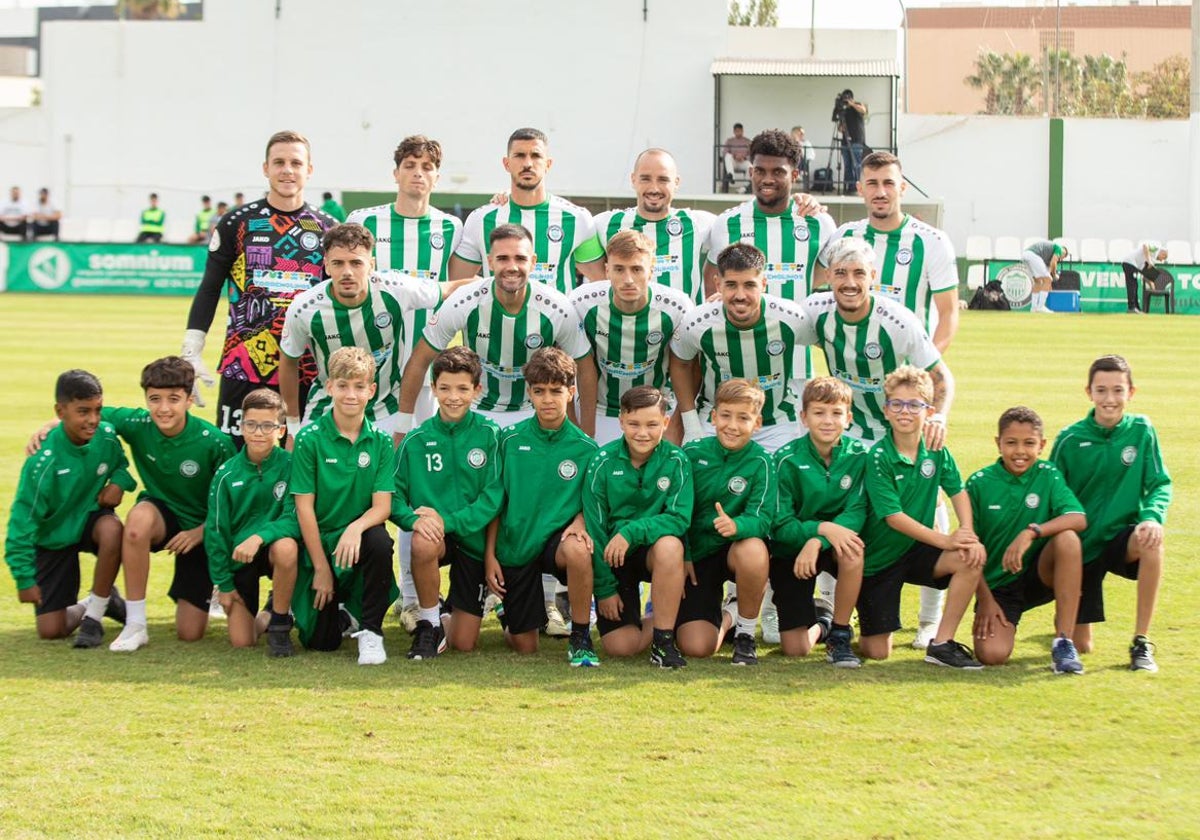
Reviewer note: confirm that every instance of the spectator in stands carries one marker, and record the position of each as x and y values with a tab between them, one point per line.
807	155
850	114
204	221
1142	261
222	209
153	221
1042	259
737	155
332	207
44	221
14	216
239	199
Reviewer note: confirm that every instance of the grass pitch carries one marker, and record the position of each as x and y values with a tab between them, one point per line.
202	740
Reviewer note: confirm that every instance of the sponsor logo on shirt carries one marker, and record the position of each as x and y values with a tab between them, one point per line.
1128	455
364	460
189	468
63	471
928	468
279	489
263	239
667	264
626	370
476	458
737	485
1032	500
568	470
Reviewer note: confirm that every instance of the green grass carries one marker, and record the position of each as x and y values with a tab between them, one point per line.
194	740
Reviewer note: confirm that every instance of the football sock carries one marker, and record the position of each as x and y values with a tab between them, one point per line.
135	612
745	625
431	615
580	628
96	606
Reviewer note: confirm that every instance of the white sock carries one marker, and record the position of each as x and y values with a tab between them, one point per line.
408	589
96	607
135	612
430	615
549	587
744	625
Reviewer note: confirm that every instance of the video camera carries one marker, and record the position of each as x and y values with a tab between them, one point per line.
839	104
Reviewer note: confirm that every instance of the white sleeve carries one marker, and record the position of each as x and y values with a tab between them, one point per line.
941	265
444	324
457	238
684	344
569	336
417	293
471	246
356	217
293	340
718	238
828	228
921	351
600	223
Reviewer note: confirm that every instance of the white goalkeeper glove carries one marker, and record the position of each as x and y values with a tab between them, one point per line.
193	349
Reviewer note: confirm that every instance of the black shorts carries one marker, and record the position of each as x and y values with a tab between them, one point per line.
468	589
1110	561
793	597
57	573
632	572
524	600
879	600
702	600
1024	593
247	575
230	393
191	581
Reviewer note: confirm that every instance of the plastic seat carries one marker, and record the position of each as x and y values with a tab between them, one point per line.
1071	246
1179	252
1162	285
976	276
1007	248
1093	251
1119	249
979	248
98	230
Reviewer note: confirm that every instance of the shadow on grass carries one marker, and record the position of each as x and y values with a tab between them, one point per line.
212	664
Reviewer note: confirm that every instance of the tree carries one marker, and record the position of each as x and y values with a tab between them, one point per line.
1166	90
149	9
757	13
1009	82
988	69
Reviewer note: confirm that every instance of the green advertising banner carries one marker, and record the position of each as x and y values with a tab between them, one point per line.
1101	286
101	268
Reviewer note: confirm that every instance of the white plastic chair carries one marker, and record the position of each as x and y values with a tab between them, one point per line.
98	230
1068	243
979	248
1093	251
1007	248
1179	252
976	276
1119	249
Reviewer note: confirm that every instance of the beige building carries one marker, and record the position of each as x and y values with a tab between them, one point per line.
943	44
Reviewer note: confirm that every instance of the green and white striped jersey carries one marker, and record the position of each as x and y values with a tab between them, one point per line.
791	244
504	342
420	247
316	320
563	234
862	354
914	262
765	353
680	240
630	349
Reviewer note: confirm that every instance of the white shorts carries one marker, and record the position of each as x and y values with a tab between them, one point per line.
423	410
504	419
608	429
1035	265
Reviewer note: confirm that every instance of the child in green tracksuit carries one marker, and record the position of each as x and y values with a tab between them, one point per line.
822	509
637	503
251	529
540	528
343	476
447	491
1028	520
1112	463
65	504
733	508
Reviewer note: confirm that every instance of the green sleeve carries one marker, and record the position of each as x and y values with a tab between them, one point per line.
789	530
595	518
676	515
1156	483
285	526
882	494
475	516
1062	500
759	514
20	551
385	472
304	466
588	251
218	535
950	478
854	515
120	475
402	512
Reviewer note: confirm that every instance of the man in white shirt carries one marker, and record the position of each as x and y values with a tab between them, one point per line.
1141	261
14	216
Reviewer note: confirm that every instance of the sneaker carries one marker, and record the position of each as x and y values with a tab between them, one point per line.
744	651
581	654
838	652
770	623
491	604
563	601
952	654
134	636
279	640
556	626
1141	655
349	623
1064	659
409	615
90	634
370	648
428	641
116	606
925	634
666	655
215	610
824	618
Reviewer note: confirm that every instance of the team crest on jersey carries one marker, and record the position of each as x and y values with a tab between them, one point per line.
189	468
437	242
1128	455
101	469
664	484
775	347
800	232
554	233
476	458
904	256
674	227
534	341
278	490
567	470
737	485
928	468
845	482
654	337
214	243
872	350
1032	500
383	320
364	459
309	240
